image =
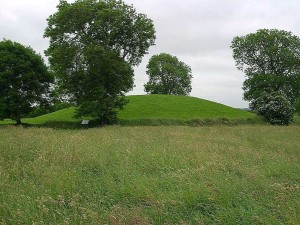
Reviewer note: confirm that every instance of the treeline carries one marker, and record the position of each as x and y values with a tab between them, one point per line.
94	46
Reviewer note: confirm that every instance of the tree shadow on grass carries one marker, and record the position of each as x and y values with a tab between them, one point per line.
61	125
76	125
64	125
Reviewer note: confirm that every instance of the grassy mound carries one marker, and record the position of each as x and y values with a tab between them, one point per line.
64	115
158	110
178	108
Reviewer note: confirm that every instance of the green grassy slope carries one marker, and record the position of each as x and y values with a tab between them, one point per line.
156	107
64	115
177	107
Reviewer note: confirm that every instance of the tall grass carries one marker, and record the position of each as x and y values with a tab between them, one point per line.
150	175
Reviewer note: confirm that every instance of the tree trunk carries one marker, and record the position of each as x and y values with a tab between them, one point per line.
18	122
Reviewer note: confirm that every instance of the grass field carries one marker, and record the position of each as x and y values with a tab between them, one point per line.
158	110
150	175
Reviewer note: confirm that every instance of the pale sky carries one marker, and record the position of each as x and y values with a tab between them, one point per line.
198	32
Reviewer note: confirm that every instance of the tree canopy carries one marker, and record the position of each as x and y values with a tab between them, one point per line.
93	46
258	83
24	80
270	60
267	52
168	75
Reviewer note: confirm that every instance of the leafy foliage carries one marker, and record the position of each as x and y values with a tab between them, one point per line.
101	86
258	83
271	62
275	107
168	75
93	46
267	52
24	80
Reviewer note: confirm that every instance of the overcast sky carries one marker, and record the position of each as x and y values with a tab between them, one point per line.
198	32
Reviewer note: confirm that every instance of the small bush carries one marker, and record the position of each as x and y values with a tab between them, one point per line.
275	107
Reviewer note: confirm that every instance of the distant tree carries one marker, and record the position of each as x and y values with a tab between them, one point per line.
93	46
24	80
271	62
168	75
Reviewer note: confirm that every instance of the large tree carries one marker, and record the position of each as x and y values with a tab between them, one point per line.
270	60
168	75
93	46
24	80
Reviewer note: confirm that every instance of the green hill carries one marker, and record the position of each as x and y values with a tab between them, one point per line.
178	107
64	115
157	107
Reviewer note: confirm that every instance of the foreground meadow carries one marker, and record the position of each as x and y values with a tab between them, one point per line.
150	175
